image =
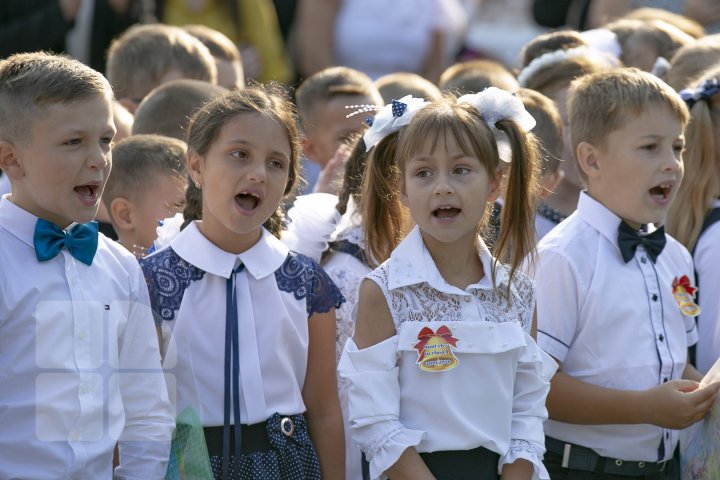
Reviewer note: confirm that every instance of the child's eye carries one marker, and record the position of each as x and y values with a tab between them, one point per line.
461	170
679	148
239	154
276	163
73	141
651	147
107	141
423	173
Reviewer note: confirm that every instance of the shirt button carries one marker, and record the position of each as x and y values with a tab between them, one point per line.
84	388
654	297
81	335
665	380
661	338
643	260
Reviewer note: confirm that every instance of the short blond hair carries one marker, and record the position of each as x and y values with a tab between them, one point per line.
139	58
613	97
397	85
475	76
31	81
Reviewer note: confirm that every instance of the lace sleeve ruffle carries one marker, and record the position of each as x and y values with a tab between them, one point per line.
522	449
313	219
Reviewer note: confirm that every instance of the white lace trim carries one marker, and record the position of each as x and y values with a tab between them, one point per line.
523	449
350	226
423	303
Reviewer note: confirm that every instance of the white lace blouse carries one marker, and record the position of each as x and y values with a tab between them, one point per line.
462	371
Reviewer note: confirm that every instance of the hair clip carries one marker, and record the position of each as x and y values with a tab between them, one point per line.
369	121
703	92
361	109
391	118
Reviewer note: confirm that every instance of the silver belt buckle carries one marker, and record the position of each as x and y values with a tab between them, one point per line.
566	456
287	426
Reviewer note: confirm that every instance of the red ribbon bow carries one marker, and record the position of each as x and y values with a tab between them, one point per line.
427	333
683	282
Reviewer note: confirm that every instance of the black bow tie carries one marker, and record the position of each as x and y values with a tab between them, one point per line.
629	239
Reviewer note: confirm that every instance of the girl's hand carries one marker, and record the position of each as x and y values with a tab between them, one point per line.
518	470
678	403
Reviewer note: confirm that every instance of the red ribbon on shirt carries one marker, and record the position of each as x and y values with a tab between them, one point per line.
427	333
683	282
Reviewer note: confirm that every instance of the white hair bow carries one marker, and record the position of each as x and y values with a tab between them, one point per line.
495	104
391	118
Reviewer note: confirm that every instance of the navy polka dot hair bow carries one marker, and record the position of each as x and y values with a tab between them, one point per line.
398	108
703	92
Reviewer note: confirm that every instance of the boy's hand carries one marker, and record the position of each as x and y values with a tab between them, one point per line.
679	403
331	176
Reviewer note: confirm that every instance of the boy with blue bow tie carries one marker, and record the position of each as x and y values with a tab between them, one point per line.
615	304
79	361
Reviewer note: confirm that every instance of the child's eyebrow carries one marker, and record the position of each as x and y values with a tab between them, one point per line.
250	144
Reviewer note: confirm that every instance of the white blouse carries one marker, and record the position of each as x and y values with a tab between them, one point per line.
484	381
277	292
707	259
79	363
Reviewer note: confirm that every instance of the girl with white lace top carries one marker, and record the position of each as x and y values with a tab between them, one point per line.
446	381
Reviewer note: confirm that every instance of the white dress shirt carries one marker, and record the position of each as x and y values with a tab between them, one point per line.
79	363
611	323
493	398
707	261
4	184
277	292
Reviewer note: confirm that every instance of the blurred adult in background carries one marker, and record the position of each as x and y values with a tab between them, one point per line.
251	24
81	28
378	37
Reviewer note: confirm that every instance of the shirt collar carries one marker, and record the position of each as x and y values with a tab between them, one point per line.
260	260
599	217
17	221
411	263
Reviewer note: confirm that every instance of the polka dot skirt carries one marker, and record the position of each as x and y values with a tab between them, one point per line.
292	457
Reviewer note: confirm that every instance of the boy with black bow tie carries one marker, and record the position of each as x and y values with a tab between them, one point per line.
615	305
79	361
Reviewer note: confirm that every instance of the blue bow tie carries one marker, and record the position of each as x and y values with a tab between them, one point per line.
81	241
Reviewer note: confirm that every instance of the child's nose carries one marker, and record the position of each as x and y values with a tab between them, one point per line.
443	185
258	172
99	158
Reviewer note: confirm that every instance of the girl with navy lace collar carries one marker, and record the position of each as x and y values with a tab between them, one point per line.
446	381
247	325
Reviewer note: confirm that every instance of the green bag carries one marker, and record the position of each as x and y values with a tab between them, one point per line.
189	458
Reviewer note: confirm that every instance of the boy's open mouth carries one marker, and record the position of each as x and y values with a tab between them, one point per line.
446	212
662	191
247	201
88	193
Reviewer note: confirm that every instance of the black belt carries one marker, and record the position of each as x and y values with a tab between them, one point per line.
575	457
254	439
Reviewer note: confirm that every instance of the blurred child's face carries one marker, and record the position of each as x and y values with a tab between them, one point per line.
447	191
163	200
66	161
243	178
638	172
330	127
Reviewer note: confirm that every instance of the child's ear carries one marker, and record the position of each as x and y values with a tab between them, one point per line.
195	167
129	104
587	159
121	214
309	149
10	162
